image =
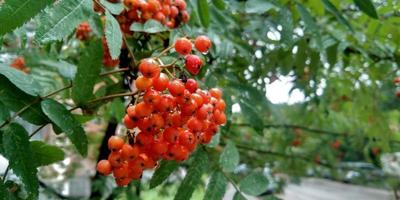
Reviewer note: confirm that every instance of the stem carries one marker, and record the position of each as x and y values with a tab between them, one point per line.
37	130
164	52
169	65
5	173
114	71
112	96
130	51
232	182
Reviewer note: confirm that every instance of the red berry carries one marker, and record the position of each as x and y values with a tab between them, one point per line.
115	159
161	83
176	87
193	64
104	167
183	46
151	97
115	143
129	123
181	4
149	68
171	134
194	124
129	152
143	83
216	93
202	43
143	110
191	85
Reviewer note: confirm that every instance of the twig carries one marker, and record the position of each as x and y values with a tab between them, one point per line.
37	130
5	173
169	65
112	97
114	71
233	183
130	51
164	51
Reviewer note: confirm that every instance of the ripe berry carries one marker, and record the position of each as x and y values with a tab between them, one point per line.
220	105
176	87
396	80
216	93
143	83
115	159
181	4
193	64
129	123
183	46
132	113
160	147
152	97
129	152
191	85
144	139
115	143
104	167
194	124
202	43
149	68
171	134
143	110
161	83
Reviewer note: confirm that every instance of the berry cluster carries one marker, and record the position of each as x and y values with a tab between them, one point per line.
169	118
19	63
83	31
193	62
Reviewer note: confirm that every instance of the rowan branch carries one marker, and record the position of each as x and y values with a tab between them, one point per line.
114	71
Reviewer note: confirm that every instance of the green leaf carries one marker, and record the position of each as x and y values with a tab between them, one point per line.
114	8
89	68
163	172
286	20
204	12
60	20
229	158
310	23
4	112
216	187
60	116
193	176
23	81
331	53
15	100
252	116
238	196
14	13
4	193
333	10
367	7
259	6
18	151
113	36
46	154
254	184
151	26
220	4
65	69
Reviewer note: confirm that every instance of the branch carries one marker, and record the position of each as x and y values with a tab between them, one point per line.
282	155
114	71
291	126
164	52
112	97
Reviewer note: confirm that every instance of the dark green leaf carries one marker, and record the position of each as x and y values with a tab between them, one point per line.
220	4
216	187
113	35
259	6
163	172
252	116
18	151
254	184
204	13
334	11
286	20
229	158
4	112
60	116
310	23
114	8
193	177
23	81
4	193
89	68
65	69
367	7
15	100
14	13
60	20
331	53
46	154
239	196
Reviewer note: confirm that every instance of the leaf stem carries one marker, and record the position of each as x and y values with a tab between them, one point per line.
114	71
232	182
112	97
164	52
5	173
37	130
